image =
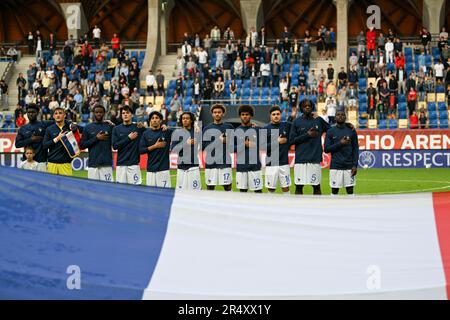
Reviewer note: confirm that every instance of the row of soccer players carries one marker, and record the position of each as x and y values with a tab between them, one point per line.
131	140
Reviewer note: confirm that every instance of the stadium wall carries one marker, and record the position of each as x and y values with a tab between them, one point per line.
68	238
378	149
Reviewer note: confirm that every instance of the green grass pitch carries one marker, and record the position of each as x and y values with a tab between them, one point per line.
369	181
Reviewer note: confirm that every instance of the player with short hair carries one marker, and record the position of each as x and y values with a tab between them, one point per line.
342	142
125	139
59	159
278	170
184	140
217	166
248	168
306	135
97	138
155	142
29	163
32	135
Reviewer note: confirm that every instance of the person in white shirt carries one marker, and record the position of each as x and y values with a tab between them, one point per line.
150	83
96	33
389	46
324	115
331	109
39	48
202	58
186	50
265	74
283	85
439	71
29	163
238	68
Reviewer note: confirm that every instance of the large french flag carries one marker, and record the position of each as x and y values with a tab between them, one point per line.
131	242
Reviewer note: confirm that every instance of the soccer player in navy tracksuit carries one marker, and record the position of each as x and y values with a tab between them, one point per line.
32	135
97	138
278	170
125	139
217	158
342	142
248	168
306	135
155	142
185	144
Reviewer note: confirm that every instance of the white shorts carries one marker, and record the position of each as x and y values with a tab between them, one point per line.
342	178
101	174
251	180
159	179
308	174
189	179
275	174
129	174
41	167
218	177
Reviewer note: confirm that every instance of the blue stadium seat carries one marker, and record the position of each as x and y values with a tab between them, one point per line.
362	123
172	84
443	124
440	89
142	54
443	114
247	84
391	67
442	106
402	114
402	106
382	124
433	123
265	93
431	106
275	92
432	114
401	98
393	124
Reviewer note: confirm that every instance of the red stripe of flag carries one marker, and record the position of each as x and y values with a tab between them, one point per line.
441	204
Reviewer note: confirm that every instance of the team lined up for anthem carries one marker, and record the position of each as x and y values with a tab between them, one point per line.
46	149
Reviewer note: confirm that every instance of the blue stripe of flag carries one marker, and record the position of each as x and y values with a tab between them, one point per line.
114	233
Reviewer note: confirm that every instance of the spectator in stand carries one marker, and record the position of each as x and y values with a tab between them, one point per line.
330	72
331	89
238	68
220	56
413	121
207	44
352	96
401	76
389	48
410	83
277	62
362	61
30	42
371	37
331	107
215	36
197	41
180	66
160	83
439	72
115	44
96	35
392	83
353	76
421	90
381	42
425	37
353	60
342	100
13	53
392	106
219	87
423	120
381	65
398	46
20	120
265	74
302	81
86	53
228	34
361	39
342	78
175	103
233	92
312	83
400	61
186	50
412	98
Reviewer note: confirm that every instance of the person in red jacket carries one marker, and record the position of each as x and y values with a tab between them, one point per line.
414	121
20	121
412	98
115	44
371	39
400	61
86	53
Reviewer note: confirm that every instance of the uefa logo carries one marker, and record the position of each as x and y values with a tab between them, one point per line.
366	159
